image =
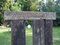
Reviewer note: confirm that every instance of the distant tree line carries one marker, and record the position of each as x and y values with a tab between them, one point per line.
30	5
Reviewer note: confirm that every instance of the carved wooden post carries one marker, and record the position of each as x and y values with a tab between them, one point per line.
38	32
18	32
48	32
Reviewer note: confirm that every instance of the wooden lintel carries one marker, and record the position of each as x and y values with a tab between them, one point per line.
29	15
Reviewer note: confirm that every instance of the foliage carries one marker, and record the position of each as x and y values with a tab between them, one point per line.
29	5
34	6
26	5
16	7
8	5
52	7
1	10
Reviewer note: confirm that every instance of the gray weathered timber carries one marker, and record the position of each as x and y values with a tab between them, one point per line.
27	15
38	32
18	32
48	32
41	24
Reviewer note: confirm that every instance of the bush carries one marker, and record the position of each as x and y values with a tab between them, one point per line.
1	19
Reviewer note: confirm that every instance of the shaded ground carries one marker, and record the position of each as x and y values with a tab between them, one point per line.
5	36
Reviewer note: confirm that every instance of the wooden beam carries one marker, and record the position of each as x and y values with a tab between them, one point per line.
28	15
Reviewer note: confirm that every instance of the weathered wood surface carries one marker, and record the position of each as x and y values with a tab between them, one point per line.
18	32
48	32
25	15
42	30
38	32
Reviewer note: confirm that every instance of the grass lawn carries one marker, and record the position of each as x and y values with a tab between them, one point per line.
5	36
56	35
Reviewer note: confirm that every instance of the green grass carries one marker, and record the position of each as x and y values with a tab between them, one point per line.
5	36
28	36
56	35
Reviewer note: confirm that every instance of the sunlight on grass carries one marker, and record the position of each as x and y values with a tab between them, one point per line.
5	36
28	31
28	36
4	29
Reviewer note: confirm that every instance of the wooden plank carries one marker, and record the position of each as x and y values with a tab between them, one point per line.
38	32
18	32
13	15
48	32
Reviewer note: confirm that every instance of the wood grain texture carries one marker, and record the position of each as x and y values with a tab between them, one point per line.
28	15
38	32
48	32
18	32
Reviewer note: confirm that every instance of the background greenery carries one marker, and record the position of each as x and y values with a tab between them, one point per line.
30	5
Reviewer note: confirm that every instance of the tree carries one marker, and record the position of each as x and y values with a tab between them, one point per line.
2	2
